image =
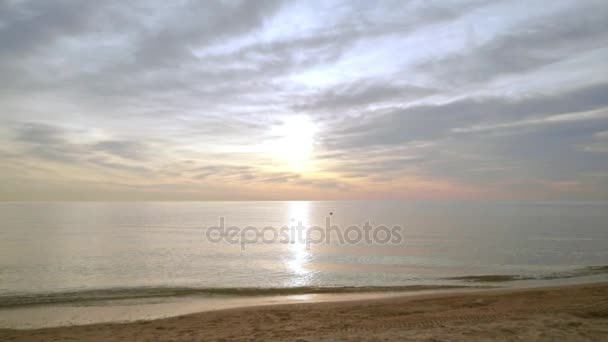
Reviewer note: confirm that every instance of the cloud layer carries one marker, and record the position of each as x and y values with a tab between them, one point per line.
303	100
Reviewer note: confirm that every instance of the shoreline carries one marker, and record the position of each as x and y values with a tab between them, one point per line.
124	305
120	311
555	311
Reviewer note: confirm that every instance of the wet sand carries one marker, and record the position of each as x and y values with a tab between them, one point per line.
566	313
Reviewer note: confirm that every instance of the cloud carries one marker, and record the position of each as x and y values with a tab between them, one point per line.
30	25
480	142
47	142
361	94
104	162
533	44
553	119
123	148
473	97
599	143
201	24
223	171
281	177
430	122
60	145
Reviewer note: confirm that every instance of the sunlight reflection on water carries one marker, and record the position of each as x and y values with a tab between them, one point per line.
299	212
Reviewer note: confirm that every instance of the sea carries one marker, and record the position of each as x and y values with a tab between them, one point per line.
65	263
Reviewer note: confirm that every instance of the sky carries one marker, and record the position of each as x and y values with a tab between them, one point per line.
310	100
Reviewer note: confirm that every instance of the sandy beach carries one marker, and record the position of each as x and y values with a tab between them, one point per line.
566	313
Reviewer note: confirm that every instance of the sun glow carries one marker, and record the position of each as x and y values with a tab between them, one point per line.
293	142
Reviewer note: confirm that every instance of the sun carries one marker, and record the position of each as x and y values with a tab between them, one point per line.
293	142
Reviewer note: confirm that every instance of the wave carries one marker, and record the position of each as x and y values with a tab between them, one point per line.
134	293
100	295
491	278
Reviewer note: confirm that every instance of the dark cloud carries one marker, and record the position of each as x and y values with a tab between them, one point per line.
29	25
123	148
384	148
534	44
551	153
47	142
280	177
363	93
198	24
432	122
53	143
247	174
104	162
222	171
40	134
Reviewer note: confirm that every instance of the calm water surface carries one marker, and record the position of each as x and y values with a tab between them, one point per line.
77	263
54	247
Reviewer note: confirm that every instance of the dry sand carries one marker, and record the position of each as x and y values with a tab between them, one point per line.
569	313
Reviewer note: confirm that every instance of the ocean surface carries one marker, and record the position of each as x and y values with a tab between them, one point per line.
84	255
